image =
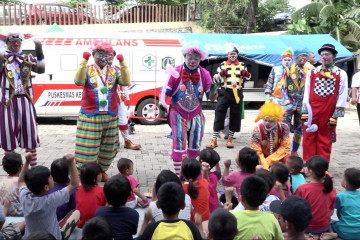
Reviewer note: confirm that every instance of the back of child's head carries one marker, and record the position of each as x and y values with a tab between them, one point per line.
295	210
41	235
254	189
280	171
12	163
248	159
210	156
97	228
352	176
88	174
60	171
164	177
319	166
191	169
124	164
222	225
36	179
268	177
295	164
117	190
171	198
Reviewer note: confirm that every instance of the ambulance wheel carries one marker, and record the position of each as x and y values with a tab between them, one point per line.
146	109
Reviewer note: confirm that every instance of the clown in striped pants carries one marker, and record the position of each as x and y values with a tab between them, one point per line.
18	126
97	139
187	136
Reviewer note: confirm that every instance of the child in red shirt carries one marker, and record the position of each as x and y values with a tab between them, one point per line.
320	193
198	190
90	196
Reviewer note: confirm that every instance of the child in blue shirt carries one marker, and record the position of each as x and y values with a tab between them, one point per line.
295	165
348	206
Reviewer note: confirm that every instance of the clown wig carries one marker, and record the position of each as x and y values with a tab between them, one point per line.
271	110
102	45
304	51
195	47
287	53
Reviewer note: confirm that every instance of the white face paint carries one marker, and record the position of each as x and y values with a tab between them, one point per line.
232	56
286	62
269	123
327	58
192	60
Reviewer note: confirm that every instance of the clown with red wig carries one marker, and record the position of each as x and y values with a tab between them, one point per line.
271	138
97	134
186	91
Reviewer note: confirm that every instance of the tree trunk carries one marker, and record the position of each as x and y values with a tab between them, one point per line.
250	14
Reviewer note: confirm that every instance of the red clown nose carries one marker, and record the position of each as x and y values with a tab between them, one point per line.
192	62
267	125
16	44
304	58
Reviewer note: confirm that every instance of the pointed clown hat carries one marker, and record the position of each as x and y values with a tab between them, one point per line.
195	47
271	110
287	53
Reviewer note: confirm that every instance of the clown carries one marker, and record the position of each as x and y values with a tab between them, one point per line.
186	118
229	78
271	138
326	94
276	86
97	133
17	113
124	104
295	90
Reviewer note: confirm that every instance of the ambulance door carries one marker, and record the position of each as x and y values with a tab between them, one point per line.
61	96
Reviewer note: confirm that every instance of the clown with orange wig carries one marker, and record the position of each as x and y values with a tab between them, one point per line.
271	138
97	133
186	91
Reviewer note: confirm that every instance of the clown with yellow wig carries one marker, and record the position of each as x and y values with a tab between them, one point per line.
271	138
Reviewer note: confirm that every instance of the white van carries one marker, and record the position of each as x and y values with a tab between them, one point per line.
56	95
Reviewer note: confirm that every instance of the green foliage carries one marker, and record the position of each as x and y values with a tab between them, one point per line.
267	11
74	2
11	1
337	17
113	2
167	2
223	16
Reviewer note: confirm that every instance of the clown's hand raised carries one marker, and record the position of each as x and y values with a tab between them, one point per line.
38	50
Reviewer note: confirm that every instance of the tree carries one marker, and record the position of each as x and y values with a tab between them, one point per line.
223	16
337	17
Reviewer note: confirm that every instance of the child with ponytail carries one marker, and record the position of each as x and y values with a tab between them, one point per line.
320	193
197	189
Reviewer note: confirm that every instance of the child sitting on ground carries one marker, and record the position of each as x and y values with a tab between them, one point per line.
211	157
348	206
153	213
90	196
12	230
247	160
59	170
270	181
295	165
171	198
295	216
9	187
222	225
123	220
282	184
320	193
253	222
126	168
97	228
39	207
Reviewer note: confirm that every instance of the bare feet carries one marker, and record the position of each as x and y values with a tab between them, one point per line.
328	235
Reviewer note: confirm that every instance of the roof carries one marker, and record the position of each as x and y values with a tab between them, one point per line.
266	49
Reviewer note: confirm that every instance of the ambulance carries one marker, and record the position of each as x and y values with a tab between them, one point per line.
56	95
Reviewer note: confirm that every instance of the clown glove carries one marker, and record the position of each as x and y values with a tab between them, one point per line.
86	55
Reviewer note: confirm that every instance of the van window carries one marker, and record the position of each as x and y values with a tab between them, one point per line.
69	62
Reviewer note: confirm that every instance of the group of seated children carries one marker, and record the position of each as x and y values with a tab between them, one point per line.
257	203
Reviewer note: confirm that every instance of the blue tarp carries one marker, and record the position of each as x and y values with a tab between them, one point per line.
265	49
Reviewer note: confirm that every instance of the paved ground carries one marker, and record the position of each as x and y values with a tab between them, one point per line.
58	138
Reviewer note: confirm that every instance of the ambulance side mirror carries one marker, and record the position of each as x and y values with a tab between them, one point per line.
50	76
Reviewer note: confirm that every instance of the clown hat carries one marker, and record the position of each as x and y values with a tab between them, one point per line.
304	51
195	47
287	53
